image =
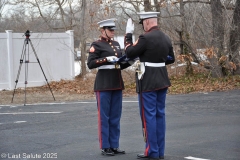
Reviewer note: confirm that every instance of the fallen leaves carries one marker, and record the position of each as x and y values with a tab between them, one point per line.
82	87
182	84
201	82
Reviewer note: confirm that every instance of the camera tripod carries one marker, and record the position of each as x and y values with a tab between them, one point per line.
25	59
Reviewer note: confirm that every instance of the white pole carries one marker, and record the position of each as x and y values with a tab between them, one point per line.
71	45
10	58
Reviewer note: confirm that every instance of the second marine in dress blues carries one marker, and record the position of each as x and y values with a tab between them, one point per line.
153	49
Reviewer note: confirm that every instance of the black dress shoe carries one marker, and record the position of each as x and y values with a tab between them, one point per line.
107	151
142	156
161	157
117	150
145	157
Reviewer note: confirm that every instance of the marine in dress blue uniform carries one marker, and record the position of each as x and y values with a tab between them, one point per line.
153	49
108	86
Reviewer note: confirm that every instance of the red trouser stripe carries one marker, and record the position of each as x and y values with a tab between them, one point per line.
146	150
145	127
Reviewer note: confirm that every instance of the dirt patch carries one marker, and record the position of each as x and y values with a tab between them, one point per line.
40	97
81	88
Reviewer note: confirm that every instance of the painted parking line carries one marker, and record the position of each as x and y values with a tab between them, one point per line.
20	122
16	122
194	158
13	106
30	113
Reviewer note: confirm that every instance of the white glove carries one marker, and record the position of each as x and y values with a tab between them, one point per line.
130	26
112	59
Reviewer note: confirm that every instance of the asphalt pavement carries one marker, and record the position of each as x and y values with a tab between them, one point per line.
200	126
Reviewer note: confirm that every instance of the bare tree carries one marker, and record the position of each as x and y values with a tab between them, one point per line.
218	37
58	16
2	4
200	24
82	44
215	27
235	38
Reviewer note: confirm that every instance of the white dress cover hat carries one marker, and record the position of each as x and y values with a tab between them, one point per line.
108	23
146	15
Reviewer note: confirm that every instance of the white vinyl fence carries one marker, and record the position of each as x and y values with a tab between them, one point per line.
54	50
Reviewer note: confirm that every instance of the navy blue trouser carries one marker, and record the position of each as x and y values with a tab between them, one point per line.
152	113
109	104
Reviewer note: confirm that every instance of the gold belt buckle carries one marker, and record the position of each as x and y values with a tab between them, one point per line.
117	66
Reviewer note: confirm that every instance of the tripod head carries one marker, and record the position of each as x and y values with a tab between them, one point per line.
27	34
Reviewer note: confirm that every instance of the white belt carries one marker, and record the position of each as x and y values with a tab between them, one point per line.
117	66
154	64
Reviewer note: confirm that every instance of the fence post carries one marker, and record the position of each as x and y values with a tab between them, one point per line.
10	58
71	45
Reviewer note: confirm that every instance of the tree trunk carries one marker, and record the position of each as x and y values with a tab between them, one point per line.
82	44
235	38
157	5
158	9
147	5
218	37
183	37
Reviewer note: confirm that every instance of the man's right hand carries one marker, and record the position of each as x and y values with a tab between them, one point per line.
132	61
112	59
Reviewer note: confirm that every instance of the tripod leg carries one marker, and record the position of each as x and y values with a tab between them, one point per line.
26	72
20	66
41	68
